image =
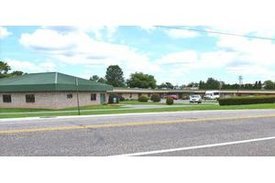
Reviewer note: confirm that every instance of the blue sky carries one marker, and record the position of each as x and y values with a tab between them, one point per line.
171	55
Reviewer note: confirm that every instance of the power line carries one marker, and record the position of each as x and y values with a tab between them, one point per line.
216	32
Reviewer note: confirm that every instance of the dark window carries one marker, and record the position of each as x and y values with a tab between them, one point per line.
30	98
7	98
130	95
69	95
93	96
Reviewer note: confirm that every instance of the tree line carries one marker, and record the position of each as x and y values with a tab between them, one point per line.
212	83
115	77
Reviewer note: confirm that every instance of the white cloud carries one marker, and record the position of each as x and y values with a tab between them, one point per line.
77	47
254	57
30	67
4	32
181	33
238	56
235	55
179	58
47	40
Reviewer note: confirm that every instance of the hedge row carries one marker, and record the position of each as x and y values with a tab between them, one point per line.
246	100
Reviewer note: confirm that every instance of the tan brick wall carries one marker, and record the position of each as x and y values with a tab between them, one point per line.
50	100
127	96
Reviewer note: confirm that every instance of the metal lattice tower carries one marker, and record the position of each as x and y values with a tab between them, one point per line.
240	80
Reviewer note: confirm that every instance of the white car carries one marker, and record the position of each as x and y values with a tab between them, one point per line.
195	99
212	95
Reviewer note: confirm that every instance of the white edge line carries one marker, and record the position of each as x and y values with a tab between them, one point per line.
194	147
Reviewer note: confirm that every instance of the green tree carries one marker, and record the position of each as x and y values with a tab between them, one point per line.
102	80
269	85
114	76
4	69
17	73
249	86
140	80
211	84
202	85
94	78
258	85
193	84
166	85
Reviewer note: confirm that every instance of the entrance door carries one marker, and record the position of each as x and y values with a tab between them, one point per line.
102	98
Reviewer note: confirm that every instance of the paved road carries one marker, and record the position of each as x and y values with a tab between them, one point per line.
195	133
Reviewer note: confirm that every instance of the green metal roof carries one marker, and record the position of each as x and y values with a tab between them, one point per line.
50	81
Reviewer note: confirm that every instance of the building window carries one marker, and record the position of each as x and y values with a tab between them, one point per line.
7	98
69	96
130	95
93	96
30	98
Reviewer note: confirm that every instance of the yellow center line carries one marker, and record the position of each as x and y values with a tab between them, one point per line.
127	124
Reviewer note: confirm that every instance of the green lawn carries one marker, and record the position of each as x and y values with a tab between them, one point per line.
4	110
117	109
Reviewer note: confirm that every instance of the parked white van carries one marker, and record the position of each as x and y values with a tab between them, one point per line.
212	94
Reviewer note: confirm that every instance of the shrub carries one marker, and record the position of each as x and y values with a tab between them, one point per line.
121	98
247	100
143	99
169	101
155	98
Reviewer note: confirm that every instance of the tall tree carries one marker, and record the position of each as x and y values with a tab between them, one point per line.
4	68
141	80
114	76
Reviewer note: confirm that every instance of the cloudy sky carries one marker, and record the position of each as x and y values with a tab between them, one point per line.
179	56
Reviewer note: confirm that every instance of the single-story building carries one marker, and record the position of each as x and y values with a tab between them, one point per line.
134	93
51	90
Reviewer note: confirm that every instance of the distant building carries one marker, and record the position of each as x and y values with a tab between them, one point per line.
51	90
134	93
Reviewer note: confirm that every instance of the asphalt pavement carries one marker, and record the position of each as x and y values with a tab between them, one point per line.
189	133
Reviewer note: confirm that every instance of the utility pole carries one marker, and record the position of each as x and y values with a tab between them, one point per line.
240	80
220	87
240	83
77	96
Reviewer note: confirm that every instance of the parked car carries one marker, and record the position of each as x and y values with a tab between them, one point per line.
212	95
174	97
195	99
